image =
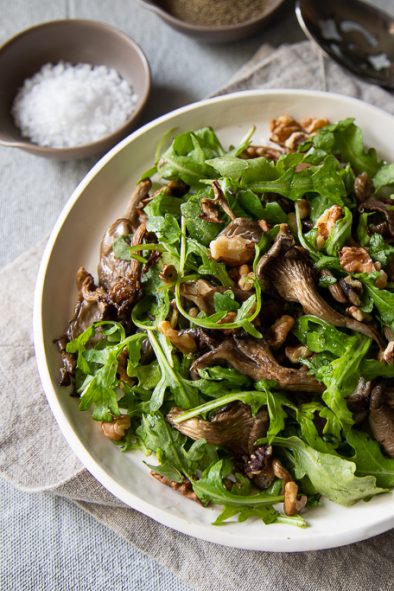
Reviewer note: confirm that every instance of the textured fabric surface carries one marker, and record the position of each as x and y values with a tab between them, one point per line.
22	457
65	549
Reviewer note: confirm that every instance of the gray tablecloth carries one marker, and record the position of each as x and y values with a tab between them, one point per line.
47	542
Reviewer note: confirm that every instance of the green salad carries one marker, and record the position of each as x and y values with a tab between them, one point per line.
241	327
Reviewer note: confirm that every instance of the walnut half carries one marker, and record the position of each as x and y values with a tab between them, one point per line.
356	259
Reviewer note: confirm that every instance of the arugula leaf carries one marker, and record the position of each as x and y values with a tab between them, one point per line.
208	266
340	233
210	488
166	229
225	302
345	139
384	177
369	458
379	250
323	179
186	158
331	475
371	368
200	230
169	445
382	298
266	513
184	395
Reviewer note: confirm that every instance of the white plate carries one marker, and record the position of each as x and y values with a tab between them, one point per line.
97	201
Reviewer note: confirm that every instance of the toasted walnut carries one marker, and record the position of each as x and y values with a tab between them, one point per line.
185	487
169	274
184	342
277	333
388	354
356	259
232	251
280	471
116	430
264	225
303	208
282	128
297	352
357	314
353	289
311	124
122	367
261	151
293	504
229	317
327	221
296	138
381	280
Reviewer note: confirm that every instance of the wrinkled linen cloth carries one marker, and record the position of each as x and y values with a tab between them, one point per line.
35	457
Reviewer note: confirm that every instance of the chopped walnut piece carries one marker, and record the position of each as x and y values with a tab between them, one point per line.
184	342
282	128
262	151
303	208
357	314
312	124
353	289
296	138
168	274
327	221
116	430
293	504
185	487
381	280
277	333
297	352
232	251
388	354
264	225
356	259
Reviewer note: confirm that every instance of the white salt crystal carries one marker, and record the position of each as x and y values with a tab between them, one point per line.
65	106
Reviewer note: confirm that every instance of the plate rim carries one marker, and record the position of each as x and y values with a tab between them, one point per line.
200	531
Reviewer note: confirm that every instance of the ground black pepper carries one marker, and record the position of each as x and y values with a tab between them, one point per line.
214	12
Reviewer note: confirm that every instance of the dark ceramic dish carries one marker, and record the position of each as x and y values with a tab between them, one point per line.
74	41
217	34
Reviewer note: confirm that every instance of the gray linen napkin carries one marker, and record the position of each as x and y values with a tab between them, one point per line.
35	457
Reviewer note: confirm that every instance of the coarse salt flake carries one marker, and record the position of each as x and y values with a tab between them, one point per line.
65	105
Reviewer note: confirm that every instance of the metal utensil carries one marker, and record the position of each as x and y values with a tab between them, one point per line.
354	34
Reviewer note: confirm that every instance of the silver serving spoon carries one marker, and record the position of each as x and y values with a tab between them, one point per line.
356	35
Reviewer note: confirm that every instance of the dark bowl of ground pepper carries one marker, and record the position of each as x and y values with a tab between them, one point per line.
218	21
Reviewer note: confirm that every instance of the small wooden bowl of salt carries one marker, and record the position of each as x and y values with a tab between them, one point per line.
70	89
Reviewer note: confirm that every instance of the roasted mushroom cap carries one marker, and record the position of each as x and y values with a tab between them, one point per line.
358	401
202	293
233	427
91	307
381	415
286	269
385	207
254	359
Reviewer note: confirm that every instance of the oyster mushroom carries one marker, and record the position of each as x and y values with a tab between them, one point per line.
254	359
201	293
358	401
381	415
91	307
286	269
383	206
233	427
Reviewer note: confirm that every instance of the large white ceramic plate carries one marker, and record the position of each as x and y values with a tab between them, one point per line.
97	201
